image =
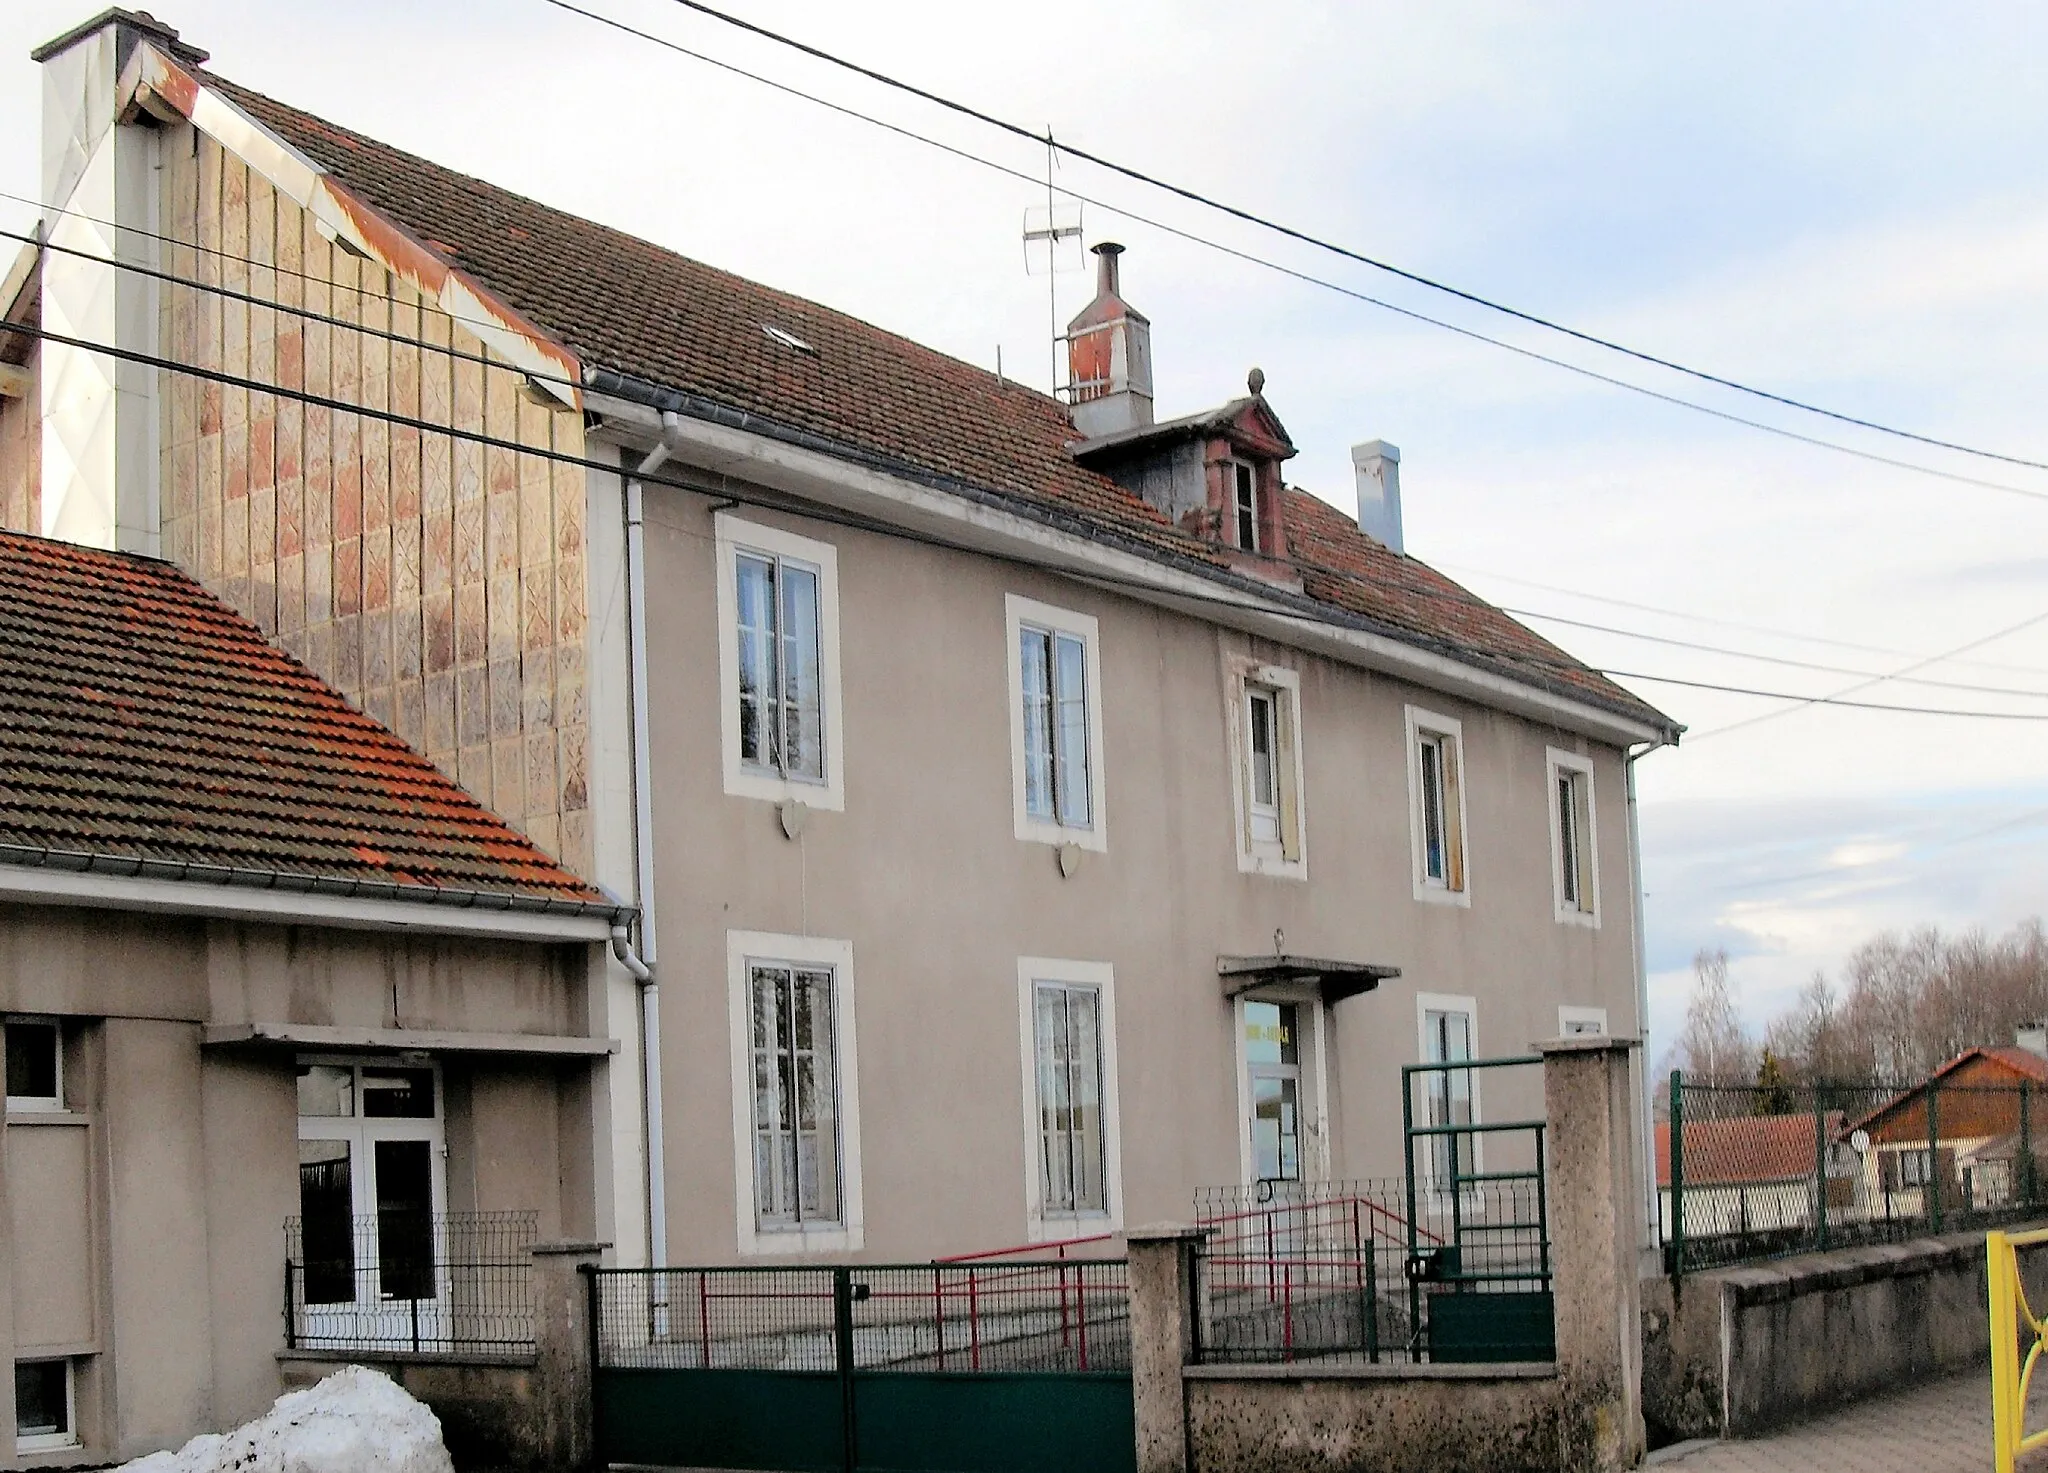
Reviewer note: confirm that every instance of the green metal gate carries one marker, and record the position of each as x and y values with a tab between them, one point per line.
1019	1367
1479	1287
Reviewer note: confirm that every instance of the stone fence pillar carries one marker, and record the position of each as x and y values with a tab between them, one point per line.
563	1374
1162	1288
1593	1202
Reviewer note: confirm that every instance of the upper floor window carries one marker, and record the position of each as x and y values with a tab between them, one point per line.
778	600
795	1106
1266	740
1056	724
1574	873
1436	789
35	1064
1244	504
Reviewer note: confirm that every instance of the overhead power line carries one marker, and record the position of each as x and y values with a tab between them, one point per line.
1321	243
827	515
1458	597
1308	278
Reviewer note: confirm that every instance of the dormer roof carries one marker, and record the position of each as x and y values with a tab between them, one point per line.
1248	423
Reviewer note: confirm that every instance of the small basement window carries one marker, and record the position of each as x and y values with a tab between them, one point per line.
35	1065
44	1414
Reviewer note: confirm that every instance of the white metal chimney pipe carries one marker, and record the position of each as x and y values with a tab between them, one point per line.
1377	467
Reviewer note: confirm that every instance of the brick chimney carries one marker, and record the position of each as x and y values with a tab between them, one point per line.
1109	357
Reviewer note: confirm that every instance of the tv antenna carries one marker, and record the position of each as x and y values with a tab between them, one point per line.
1052	247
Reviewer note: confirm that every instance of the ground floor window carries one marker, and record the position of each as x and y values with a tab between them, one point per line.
44	1405
1449	1095
371	1193
796	1095
1072	1163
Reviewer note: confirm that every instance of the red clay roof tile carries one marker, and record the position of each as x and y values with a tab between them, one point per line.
141	719
625	304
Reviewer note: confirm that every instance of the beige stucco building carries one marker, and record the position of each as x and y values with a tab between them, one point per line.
1036	812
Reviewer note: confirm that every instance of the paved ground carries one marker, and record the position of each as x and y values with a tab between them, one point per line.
1940	1427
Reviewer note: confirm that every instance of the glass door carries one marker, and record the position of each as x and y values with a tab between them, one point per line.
371	1189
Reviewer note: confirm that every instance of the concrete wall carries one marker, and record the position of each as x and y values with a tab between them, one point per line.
923	874
1738	1351
1390	1419
142	1227
21	443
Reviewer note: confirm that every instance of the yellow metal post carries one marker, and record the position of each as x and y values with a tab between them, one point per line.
2011	1372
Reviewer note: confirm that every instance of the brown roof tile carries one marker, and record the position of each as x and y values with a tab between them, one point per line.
624	304
140	719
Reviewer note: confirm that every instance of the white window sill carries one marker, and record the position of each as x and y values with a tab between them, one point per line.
1272	862
1590	919
769	787
777	1241
1082	1225
1430	894
1037	831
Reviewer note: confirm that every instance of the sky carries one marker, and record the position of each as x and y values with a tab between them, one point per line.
1842	203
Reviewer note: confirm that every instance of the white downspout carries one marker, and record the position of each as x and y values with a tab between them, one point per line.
1652	1217
643	870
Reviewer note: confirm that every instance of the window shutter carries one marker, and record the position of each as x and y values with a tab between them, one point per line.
1454	816
1285	761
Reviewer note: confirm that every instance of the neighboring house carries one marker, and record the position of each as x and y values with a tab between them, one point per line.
1973	1145
1754	1173
1043	812
260	964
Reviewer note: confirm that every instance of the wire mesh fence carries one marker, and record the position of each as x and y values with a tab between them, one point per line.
1746	1172
1337	1271
412	1281
1071	1315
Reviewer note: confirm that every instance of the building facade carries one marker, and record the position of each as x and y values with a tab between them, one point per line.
1036	812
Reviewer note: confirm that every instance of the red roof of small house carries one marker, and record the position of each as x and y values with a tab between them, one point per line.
147	728
2002	1062
1746	1150
647	316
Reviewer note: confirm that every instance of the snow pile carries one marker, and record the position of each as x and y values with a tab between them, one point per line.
355	1421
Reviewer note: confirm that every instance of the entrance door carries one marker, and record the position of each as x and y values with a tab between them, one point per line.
371	1194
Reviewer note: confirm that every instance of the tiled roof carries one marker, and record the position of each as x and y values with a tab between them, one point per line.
1747	1150
623	304
141	719
2004	1058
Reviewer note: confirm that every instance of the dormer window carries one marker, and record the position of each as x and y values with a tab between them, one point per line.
1244	484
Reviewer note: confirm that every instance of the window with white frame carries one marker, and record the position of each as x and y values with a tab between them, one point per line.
1436	782
1272	1056
1055	724
778	597
795	1105
45	1405
35	1064
1072	1172
1449	1096
1266	737
1243	481
1573	866
1573	1022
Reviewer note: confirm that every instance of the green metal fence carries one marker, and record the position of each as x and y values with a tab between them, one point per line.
1747	1172
1013	1367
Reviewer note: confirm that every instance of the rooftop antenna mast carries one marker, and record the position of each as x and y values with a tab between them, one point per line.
1056	227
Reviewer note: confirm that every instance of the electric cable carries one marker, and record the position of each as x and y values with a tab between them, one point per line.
1306	238
1309	278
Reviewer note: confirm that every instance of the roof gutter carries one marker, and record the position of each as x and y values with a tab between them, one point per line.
121	882
717	438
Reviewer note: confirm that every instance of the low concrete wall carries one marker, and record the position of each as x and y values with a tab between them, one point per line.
489	1409
1387	1419
1738	1351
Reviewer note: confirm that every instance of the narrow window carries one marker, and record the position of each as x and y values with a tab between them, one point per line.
781	692
1273	1061
1571	836
1441	822
1262	720
1068	1045
796	1096
43	1412
35	1066
1054	667
1568	839
1245	504
1447	1039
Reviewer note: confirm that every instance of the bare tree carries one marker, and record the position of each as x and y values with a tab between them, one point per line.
1712	1046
